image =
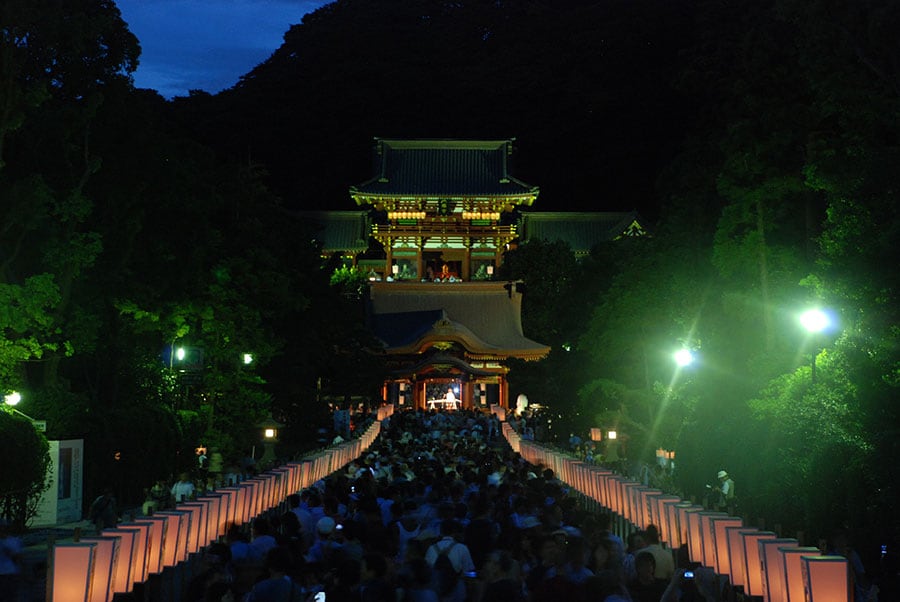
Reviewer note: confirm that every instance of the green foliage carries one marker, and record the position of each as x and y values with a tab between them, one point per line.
27	450
26	325
551	274
350	280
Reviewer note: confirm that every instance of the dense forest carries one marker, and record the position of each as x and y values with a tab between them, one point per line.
759	137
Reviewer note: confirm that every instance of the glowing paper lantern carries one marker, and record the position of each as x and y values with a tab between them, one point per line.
773	575
632	497
684	524
141	540
177	535
723	563
645	512
673	522
792	574
213	519
71	572
736	554
826	578
752	562
227	508
665	525
156	526
253	493
603	477
654	508
198	525
106	552
708	537
123	575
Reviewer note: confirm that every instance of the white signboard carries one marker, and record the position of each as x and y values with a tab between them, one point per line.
62	501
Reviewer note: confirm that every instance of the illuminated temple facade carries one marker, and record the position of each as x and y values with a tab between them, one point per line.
441	214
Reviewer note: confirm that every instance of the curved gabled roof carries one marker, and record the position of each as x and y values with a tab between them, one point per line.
482	317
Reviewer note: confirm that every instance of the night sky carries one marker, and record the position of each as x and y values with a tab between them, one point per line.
206	44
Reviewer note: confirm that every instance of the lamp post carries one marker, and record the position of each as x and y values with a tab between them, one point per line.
12	399
814	321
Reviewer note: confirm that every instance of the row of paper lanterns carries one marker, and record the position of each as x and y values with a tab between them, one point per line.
97	568
763	564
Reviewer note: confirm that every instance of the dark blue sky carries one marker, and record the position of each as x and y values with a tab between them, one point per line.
206	44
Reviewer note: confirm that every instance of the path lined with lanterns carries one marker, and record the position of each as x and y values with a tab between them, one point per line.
152	553
153	556
754	561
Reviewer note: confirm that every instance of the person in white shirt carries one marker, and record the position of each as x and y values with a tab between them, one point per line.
726	491
184	489
457	553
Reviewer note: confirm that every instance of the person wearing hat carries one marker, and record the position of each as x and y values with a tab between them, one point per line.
325	544
725	490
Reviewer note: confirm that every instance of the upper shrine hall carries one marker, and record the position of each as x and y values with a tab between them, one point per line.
441	214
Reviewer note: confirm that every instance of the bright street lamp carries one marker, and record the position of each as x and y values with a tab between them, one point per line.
12	399
814	321
684	357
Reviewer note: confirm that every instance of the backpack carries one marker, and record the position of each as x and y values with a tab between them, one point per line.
446	574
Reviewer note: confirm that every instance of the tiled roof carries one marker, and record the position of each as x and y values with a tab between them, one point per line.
486	314
443	168
581	230
401	329
339	231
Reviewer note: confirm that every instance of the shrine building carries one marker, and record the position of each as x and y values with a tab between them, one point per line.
441	214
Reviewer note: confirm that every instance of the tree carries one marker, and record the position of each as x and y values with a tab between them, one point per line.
27	330
28	451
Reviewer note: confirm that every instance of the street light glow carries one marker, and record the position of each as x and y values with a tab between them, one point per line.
179	354
13	398
248	359
814	320
684	357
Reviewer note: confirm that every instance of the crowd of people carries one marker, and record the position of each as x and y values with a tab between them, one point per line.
440	509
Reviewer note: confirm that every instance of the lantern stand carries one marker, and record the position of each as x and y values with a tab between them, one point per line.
269	428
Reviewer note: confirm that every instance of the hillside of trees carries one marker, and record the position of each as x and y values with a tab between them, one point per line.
760	138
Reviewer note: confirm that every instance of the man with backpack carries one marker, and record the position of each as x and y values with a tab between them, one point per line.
450	559
456	552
